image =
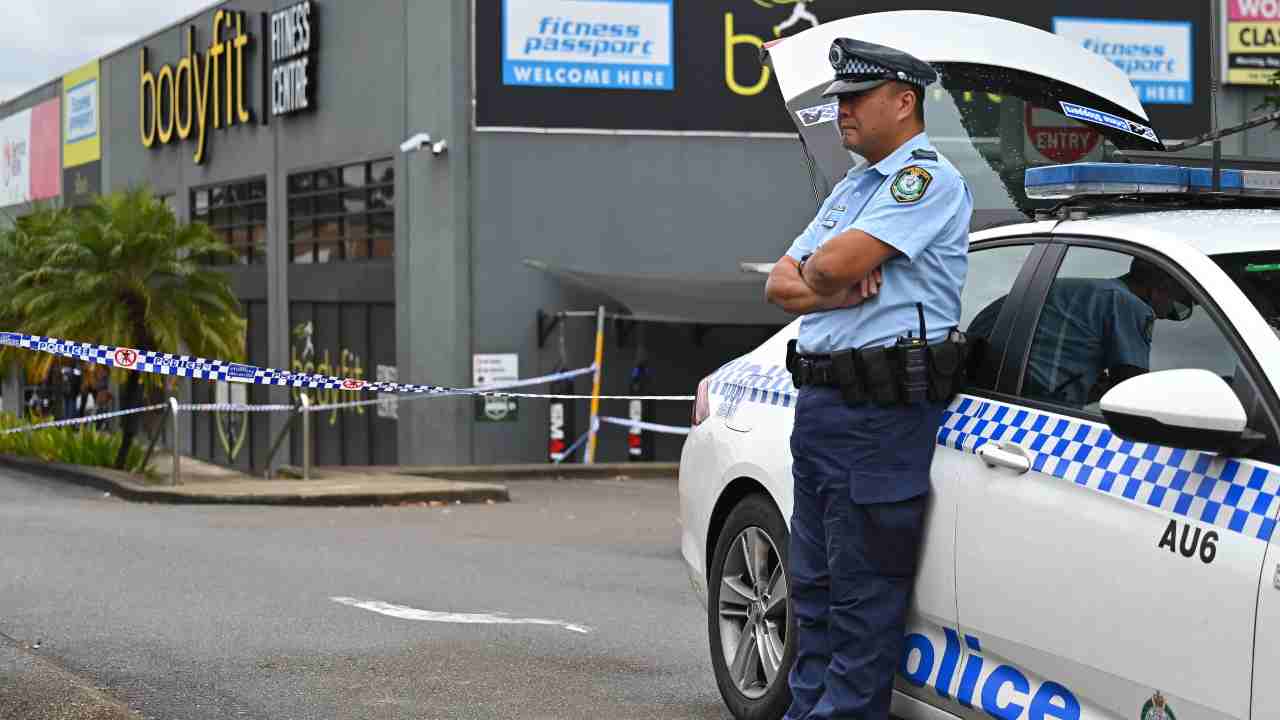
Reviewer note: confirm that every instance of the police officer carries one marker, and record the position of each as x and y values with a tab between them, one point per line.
885	255
1094	332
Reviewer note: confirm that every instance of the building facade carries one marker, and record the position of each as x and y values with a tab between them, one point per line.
625	153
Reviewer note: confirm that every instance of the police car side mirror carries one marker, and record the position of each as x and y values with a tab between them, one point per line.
1193	409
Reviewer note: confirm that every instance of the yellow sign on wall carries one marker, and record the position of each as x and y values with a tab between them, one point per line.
81	136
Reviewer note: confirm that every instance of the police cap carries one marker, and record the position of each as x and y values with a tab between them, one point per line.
861	66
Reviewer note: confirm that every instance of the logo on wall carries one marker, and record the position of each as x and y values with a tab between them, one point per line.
613	44
802	18
1156	55
291	44
205	89
302	358
13	158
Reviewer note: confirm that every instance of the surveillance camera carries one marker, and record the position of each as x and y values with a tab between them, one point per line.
415	142
439	147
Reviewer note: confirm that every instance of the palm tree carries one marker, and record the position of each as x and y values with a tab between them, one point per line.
124	272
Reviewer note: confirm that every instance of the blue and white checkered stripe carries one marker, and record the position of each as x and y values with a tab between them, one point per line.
1237	495
753	382
1240	496
217	370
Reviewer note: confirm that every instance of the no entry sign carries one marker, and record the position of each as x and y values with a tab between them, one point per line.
1052	138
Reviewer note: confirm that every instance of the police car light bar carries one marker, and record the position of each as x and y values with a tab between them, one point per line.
1064	181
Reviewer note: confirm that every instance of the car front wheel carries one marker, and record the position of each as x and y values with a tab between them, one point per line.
748	614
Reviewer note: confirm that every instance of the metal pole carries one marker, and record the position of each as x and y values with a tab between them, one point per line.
595	390
175	473
1215	65
306	435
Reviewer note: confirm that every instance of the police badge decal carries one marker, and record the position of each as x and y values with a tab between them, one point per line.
1156	709
910	184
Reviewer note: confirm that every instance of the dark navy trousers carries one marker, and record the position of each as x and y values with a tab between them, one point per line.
861	487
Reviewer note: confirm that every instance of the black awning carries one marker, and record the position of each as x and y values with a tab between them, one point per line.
723	298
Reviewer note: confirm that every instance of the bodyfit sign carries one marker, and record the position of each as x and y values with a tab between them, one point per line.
211	87
1253	42
613	44
533	57
1157	56
206	90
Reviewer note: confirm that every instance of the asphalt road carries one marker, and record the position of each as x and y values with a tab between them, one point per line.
194	613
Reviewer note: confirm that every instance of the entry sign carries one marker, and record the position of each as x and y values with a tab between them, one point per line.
1052	138
488	369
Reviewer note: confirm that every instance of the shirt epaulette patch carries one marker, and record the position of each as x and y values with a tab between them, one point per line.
910	184
923	154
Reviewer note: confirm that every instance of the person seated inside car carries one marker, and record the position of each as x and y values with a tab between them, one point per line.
1093	333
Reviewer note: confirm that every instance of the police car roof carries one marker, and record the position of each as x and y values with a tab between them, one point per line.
1212	231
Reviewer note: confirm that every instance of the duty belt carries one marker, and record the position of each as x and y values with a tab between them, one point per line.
875	374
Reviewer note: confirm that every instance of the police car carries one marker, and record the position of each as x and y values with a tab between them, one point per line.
1099	544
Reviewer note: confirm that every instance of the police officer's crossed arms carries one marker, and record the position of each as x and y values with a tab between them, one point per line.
1094	333
885	255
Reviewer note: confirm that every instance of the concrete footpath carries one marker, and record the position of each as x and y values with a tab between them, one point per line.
206	483
35	688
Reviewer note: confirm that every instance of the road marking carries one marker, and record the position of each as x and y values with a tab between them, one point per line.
408	613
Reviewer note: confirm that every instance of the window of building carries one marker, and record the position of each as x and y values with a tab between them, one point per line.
342	213
237	213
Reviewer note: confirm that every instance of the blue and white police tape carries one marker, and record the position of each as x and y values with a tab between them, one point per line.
220	370
568	452
235	407
83	420
642	425
477	390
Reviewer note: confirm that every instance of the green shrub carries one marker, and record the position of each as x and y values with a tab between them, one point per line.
74	445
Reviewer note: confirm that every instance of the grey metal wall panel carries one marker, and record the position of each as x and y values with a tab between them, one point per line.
627	204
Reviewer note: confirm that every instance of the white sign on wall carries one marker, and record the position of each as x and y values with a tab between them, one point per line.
15	159
489	369
82	112
1157	55
389	408
618	44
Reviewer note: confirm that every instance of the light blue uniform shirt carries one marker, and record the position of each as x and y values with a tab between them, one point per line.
931	233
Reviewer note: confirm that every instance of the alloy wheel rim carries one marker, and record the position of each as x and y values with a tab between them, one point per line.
753	612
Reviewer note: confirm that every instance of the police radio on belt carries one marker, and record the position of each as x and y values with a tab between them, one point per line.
913	353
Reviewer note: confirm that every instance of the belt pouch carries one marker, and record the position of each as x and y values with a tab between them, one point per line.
847	377
882	382
792	362
946	371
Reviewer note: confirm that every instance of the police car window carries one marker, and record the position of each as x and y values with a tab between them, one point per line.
990	277
1257	274
992	139
1109	316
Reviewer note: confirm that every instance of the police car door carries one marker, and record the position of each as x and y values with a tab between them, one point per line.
1099	578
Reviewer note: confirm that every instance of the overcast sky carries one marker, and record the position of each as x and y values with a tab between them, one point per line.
42	39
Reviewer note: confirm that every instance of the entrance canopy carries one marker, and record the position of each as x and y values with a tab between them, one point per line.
721	298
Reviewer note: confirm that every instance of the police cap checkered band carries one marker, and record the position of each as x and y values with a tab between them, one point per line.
861	65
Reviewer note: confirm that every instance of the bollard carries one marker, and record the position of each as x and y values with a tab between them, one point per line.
593	426
306	435
176	471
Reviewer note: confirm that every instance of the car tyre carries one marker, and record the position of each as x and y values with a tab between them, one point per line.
748	602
